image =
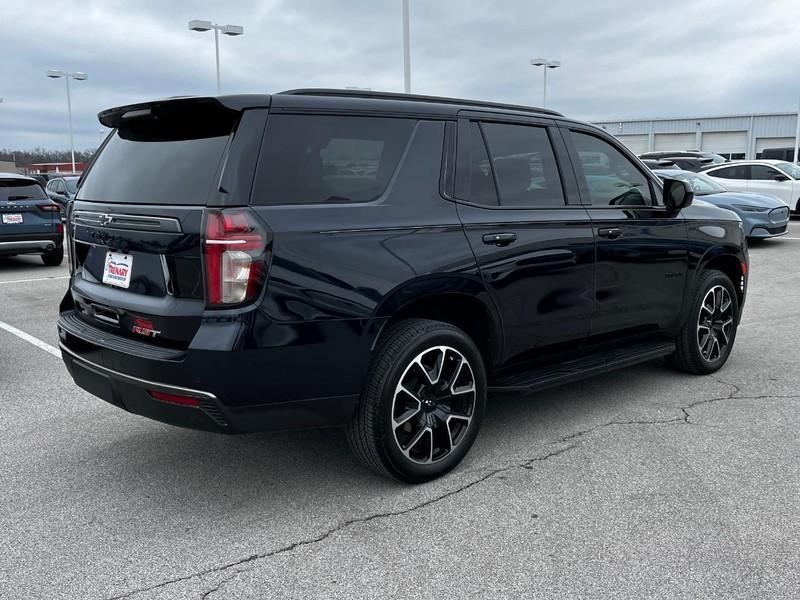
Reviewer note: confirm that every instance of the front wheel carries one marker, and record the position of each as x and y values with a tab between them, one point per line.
707	337
422	403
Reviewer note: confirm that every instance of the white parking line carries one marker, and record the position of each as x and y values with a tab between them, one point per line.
55	277
30	339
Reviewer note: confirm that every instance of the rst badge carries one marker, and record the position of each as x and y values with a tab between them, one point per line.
117	270
144	326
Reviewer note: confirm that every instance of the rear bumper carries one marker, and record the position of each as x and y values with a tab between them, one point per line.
30	245
132	394
237	391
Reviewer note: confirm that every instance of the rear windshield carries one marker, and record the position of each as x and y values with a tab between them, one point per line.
335	159
20	189
170	156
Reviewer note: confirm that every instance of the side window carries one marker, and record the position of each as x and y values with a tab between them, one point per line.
58	187
763	172
736	172
524	165
481	181
311	159
611	178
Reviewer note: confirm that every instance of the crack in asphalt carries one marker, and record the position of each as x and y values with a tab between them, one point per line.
222	582
345	524
526	464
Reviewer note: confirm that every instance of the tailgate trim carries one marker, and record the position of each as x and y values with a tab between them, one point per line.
125	221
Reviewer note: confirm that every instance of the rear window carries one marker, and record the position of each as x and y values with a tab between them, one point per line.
171	155
20	189
315	159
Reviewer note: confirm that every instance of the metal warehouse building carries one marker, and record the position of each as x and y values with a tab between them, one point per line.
732	136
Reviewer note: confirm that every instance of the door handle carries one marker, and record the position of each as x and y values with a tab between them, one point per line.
611	233
499	239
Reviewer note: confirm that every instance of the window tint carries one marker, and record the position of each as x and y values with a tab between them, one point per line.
154	172
735	172
763	172
313	159
611	178
20	189
481	180
524	165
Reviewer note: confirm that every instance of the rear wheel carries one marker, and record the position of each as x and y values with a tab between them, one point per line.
422	404
707	337
54	257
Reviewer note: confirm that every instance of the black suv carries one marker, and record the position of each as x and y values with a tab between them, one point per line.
379	262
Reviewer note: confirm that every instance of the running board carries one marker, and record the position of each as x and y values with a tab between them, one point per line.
573	370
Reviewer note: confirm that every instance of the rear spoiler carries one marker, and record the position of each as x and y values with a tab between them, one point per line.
114	117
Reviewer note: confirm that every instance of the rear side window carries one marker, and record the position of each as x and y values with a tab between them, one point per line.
20	189
524	165
312	159
737	172
171	155
611	178
478	187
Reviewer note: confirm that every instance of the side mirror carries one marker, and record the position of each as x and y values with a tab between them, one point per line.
780	177
677	194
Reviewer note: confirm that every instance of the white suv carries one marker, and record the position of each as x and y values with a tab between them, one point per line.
771	177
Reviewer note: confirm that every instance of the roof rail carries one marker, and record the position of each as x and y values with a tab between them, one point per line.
415	98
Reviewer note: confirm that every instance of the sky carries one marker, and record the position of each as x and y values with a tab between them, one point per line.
620	58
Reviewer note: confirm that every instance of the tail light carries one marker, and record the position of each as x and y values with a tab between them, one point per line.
49	207
233	252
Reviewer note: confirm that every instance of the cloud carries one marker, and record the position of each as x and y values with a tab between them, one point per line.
620	58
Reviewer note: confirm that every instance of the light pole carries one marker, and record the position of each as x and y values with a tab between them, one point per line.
406	49
232	30
797	135
56	74
547	64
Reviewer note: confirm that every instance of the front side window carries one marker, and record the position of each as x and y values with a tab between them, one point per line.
611	178
763	173
310	159
524	165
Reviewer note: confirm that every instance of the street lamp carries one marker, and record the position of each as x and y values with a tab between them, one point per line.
547	64
55	74
232	30
406	49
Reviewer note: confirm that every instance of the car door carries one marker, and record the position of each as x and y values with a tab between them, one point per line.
532	240
766	179
642	249
734	178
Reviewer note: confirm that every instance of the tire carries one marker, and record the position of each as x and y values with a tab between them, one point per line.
53	258
421	429
705	341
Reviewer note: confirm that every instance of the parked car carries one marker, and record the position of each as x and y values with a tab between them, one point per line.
660	163
62	189
29	220
715	158
784	154
762	216
241	276
773	177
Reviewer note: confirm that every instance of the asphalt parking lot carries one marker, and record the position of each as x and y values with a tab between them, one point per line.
644	483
